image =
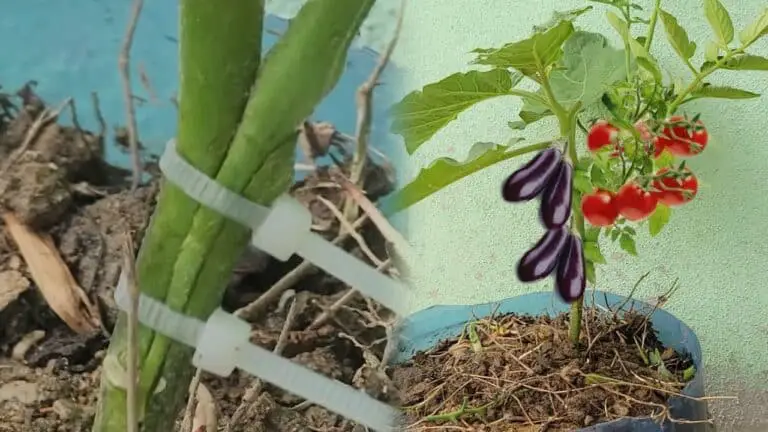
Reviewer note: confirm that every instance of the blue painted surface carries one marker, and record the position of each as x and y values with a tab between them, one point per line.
426	328
71	48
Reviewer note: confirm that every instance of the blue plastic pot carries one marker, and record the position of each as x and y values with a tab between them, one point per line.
425	329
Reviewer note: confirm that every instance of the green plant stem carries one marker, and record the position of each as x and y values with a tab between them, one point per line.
699	78
627	49
567	122
652	25
240	130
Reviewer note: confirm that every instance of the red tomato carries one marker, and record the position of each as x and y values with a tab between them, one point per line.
684	140
600	135
599	208
658	147
634	203
674	192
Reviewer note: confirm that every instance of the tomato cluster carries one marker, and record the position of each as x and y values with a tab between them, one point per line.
638	197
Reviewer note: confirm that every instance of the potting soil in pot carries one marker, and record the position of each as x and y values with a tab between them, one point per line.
518	373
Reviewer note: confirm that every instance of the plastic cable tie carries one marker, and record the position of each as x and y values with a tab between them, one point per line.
283	231
222	344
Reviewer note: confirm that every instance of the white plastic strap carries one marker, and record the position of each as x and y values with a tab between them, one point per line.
222	344
284	230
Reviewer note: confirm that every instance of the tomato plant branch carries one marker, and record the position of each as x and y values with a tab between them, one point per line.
652	25
699	78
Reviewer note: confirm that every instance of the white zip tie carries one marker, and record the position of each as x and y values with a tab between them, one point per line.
284	230
222	342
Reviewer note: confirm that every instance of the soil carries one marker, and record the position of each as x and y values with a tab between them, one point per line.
521	373
54	180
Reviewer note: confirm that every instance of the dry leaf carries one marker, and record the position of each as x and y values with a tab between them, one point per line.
12	284
52	276
205	412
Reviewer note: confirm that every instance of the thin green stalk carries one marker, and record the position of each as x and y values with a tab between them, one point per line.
652	25
240	130
699	78
213	37
567	122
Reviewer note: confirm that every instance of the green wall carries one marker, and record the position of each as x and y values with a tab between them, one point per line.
468	240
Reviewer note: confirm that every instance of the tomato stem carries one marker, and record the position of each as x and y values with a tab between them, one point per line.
652	24
699	77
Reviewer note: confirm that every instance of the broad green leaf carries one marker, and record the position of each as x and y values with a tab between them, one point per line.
719	20
757	29
711	51
560	16
445	171
517	125
677	36
627	243
643	57
720	92
421	114
747	62
665	160
592	252
529	55
590	67
659	219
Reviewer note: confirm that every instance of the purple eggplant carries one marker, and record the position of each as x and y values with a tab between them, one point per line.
571	278
541	260
556	199
529	181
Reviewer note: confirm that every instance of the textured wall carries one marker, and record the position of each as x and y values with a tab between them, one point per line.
469	240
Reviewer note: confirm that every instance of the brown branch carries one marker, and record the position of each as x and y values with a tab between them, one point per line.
124	62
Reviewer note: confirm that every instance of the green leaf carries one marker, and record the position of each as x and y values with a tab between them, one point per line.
689	373
615	234
589	266
711	51
643	57
592	252
719	20
581	182
597	176
747	62
560	16
757	29
659	219
592	234
721	92
665	160
590	67
677	36
517	125
420	114
528	116
446	171
529	55
627	243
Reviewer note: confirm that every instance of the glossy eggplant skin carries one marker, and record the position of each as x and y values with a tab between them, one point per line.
556	200
530	180
541	260
571	277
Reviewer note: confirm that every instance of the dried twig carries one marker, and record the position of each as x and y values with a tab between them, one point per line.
99	115
132	363
346	298
255	389
124	61
364	100
353	233
249	311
